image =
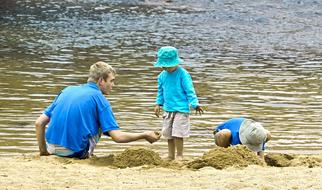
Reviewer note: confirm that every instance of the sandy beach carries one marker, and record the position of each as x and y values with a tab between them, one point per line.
51	172
256	59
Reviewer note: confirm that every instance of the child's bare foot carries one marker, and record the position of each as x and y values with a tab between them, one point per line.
179	158
167	158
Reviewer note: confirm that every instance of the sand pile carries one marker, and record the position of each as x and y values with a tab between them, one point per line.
131	157
285	160
309	161
220	158
278	160
137	156
103	161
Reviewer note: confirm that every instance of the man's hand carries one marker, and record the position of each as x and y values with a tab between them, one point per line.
152	136
157	110
199	110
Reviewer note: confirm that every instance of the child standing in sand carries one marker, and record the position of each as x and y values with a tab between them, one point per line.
175	95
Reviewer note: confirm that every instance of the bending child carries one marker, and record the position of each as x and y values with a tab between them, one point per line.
242	131
175	95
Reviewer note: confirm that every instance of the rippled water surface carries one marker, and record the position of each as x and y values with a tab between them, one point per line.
259	59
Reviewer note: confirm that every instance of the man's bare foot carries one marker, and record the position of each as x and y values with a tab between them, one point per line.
179	158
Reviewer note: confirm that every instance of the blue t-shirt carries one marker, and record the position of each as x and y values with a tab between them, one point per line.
176	91
233	125
76	114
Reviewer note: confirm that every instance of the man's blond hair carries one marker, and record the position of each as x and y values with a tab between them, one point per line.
100	69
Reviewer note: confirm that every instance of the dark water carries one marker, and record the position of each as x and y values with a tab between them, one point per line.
260	59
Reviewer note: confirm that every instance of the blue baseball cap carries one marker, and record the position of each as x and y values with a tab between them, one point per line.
168	57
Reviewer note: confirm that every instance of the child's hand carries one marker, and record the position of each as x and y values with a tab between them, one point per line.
199	110
157	110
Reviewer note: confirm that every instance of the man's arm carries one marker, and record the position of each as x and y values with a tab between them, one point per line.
124	137
40	126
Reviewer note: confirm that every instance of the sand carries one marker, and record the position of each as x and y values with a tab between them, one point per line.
141	168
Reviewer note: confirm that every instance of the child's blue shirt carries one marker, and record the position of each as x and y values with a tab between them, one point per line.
176	91
233	125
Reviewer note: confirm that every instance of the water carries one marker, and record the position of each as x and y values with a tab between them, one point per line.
255	59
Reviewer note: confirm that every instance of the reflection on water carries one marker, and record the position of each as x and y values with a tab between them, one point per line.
257	59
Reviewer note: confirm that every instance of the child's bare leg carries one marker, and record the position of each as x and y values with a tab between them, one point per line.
179	145
171	149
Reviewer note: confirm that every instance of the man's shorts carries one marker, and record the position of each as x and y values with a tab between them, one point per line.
175	124
82	154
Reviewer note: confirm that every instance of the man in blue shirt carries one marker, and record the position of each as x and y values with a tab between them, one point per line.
78	116
242	131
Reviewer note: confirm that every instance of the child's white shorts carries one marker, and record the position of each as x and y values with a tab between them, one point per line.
175	124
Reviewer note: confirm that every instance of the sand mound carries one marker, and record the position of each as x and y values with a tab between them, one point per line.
285	160
103	161
278	159
136	156
131	157
309	161
220	158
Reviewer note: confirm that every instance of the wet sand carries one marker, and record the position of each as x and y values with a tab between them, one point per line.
51	172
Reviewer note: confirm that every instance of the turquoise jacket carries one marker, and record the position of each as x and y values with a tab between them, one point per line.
176	92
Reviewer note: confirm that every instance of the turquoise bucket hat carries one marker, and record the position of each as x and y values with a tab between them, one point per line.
168	57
